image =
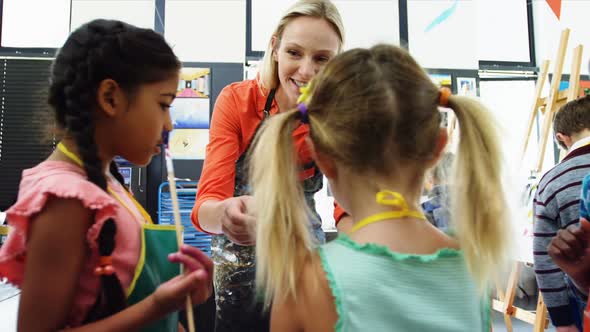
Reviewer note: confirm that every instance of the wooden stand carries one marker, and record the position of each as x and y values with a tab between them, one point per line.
549	106
505	305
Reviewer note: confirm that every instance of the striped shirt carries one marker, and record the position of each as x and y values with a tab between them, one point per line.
556	206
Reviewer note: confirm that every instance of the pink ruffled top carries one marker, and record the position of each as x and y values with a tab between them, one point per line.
65	180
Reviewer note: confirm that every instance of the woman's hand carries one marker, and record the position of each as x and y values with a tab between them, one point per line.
238	222
196	281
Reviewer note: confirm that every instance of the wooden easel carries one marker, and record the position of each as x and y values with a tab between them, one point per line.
505	305
556	98
548	106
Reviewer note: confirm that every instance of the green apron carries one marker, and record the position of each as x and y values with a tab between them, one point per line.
153	269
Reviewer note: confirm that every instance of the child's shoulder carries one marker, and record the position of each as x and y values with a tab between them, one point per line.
58	179
344	251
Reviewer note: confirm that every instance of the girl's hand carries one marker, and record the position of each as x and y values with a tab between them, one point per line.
196	281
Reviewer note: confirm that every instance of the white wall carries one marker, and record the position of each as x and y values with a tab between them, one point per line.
135	12
450	44
503	33
510	103
467	31
214	30
35	23
574	15
207	31
366	22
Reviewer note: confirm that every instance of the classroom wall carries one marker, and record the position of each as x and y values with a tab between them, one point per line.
441	33
574	15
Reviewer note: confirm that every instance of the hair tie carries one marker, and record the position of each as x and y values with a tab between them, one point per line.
303	111
443	97
105	266
305	93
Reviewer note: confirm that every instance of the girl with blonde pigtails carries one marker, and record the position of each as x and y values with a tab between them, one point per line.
374	132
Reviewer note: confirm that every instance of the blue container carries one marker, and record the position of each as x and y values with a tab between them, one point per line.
186	192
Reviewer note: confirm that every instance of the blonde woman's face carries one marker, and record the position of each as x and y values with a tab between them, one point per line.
307	44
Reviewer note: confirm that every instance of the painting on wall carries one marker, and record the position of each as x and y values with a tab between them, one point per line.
584	87
466	86
442	80
190	113
188	144
194	83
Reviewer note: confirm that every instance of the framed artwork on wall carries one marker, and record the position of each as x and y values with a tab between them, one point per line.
190	114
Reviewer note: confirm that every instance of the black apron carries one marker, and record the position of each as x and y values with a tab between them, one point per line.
237	307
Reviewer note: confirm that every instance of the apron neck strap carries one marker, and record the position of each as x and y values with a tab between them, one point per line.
395	200
268	103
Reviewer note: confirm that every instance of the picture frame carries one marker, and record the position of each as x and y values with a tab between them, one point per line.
467	86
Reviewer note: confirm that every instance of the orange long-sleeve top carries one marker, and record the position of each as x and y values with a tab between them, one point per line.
237	113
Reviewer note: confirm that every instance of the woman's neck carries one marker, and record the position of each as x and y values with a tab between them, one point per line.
283	100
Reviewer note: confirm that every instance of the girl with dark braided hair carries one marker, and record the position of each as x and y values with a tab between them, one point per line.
85	254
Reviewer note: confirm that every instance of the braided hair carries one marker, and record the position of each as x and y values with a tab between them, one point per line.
99	50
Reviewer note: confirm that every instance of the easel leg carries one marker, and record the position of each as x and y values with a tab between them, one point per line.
509	297
541	321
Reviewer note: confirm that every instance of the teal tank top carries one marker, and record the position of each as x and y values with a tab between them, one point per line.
378	290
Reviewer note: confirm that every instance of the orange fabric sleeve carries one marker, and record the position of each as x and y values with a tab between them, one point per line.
218	176
338	212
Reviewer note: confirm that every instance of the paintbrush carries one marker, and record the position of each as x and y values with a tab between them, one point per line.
177	223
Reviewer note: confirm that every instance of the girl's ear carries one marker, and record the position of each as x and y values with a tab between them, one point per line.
325	164
109	97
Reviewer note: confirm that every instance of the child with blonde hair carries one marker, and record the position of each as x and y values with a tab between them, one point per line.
374	132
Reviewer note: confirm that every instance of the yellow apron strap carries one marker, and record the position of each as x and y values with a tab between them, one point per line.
138	206
144	214
139	266
61	147
390	198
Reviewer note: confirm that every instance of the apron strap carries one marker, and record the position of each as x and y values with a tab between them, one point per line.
268	103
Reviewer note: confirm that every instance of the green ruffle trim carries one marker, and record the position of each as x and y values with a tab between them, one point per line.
335	291
380	250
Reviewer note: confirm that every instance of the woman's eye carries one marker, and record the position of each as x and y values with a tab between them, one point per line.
293	53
